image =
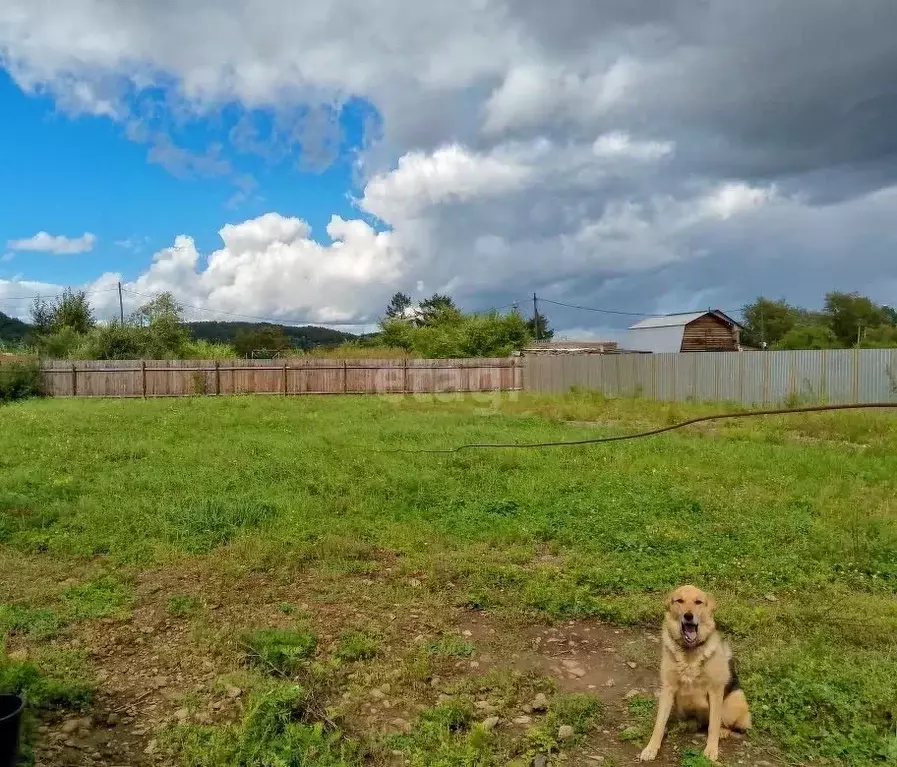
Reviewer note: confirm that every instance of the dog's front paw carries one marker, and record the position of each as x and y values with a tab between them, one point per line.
649	754
712	753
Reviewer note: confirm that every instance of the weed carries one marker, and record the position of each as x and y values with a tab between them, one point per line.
198	528
19	380
36	623
277	729
444	736
691	757
279	651
358	645
183	605
450	646
97	599
581	712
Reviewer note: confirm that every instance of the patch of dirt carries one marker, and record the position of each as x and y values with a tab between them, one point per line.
153	669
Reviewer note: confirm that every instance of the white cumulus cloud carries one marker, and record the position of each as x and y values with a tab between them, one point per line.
42	242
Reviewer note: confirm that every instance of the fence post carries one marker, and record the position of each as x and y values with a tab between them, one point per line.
345	377
74	381
143	378
405	376
217	378
284	378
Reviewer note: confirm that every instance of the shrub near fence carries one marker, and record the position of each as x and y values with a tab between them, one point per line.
180	378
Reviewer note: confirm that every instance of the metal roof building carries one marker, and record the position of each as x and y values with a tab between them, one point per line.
710	330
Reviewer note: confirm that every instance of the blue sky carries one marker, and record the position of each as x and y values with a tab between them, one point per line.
67	175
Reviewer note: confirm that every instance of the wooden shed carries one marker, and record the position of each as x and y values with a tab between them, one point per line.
710	331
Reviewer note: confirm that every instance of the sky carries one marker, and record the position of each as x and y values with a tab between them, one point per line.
303	162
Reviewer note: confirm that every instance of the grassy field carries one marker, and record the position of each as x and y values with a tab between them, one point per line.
260	581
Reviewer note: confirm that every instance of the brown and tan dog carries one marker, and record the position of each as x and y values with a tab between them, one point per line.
697	674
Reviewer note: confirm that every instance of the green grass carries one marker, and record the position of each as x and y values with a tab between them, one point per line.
183	605
802	509
279	651
358	646
450	646
277	729
54	680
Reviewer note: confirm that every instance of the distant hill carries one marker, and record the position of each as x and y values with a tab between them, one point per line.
306	337
12	329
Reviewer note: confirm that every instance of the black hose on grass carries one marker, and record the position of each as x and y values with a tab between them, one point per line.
652	432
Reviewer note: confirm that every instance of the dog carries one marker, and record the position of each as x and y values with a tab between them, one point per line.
697	674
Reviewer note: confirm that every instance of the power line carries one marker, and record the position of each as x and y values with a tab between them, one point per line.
622	313
53	295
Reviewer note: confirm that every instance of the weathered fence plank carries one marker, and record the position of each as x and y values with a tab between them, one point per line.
181	378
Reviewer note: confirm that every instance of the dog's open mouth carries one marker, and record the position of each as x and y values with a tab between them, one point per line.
689	633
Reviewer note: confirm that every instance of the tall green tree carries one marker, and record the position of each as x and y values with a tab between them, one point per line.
438	309
539	327
70	311
768	320
851	315
398	305
165	334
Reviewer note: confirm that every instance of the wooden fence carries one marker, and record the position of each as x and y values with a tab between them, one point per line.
181	378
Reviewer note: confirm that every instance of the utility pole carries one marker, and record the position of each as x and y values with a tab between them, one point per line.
762	329
536	331
121	306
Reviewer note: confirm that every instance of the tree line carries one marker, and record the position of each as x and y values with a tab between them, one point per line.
435	327
846	321
67	328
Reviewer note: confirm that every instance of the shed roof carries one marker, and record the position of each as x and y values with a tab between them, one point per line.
679	320
660	339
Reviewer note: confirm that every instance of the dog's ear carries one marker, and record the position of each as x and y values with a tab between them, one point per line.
711	604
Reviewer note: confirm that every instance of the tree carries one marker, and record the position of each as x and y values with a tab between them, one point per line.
165	335
882	337
850	315
539	328
890	314
267	339
71	310
163	306
438	309
809	337
398	306
41	317
768	320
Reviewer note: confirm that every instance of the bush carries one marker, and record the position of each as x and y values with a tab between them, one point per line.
279	650
19	380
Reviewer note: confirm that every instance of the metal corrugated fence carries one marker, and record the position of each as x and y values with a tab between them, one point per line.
831	375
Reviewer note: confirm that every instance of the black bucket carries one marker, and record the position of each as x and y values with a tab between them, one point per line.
11	707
